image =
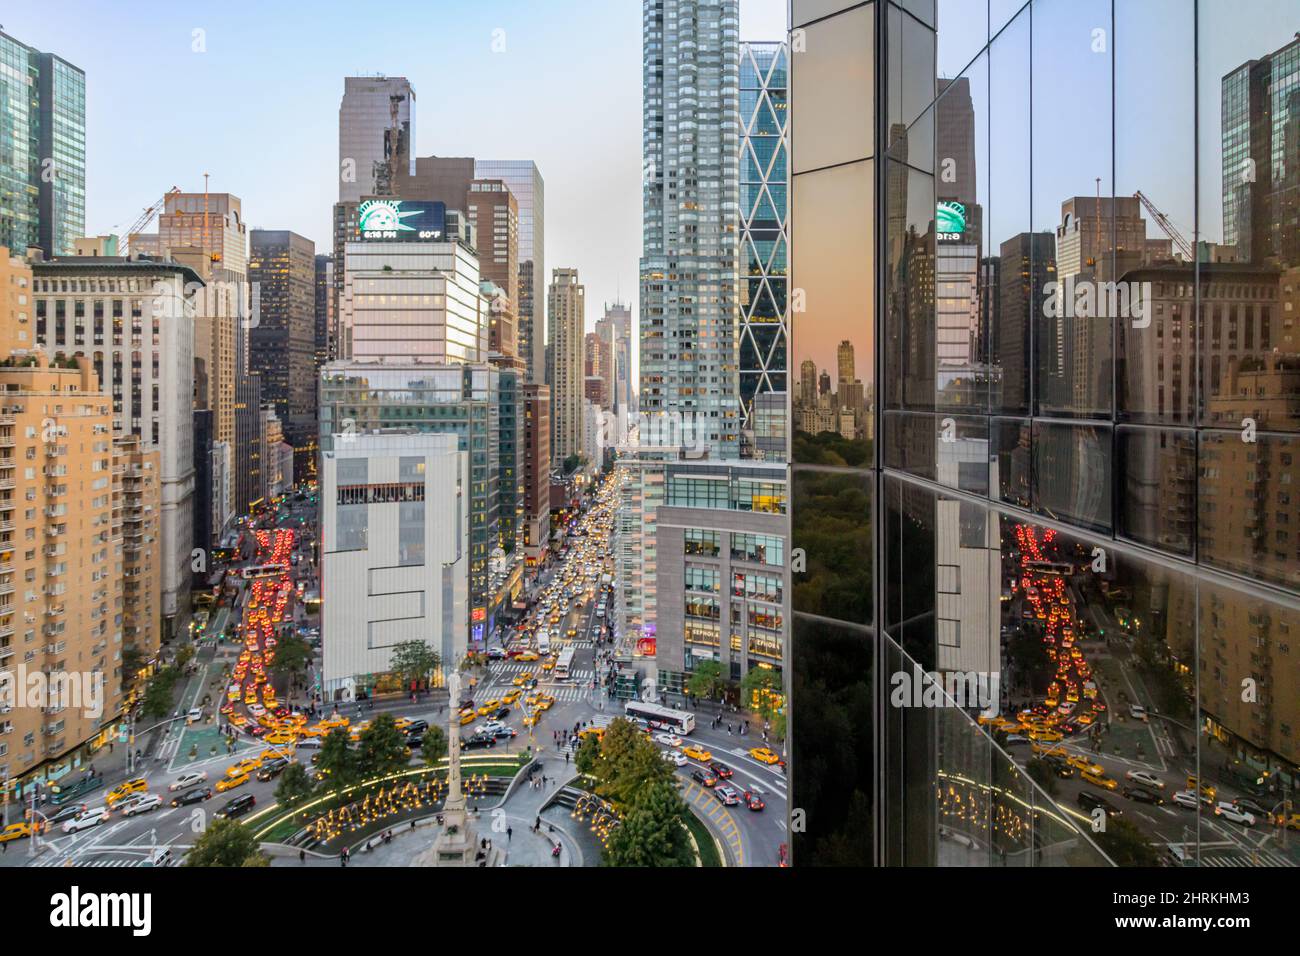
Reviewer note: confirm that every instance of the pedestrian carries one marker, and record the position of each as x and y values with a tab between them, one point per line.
302	856
510	832
728	729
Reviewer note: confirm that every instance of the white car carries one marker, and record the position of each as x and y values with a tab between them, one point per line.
141	804
1185	798
195	714
1138	712
257	710
187	780
669	740
1235	814
86	819
1144	778
676	757
491	727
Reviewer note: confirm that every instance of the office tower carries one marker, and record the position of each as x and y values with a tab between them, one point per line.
376	134
249	485
394	532
415	300
1260	129
459	399
526	185
616	326
43	166
566	305
690	250
720	543
537	472
1114	492
764	238
206	232
494	213
138	504
323	331
281	342
133	321
598	364
510	438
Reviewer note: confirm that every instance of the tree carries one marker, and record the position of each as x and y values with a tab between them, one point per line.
292	655
382	749
185	655
1042	775
224	843
158	695
338	759
706	680
414	661
627	763
434	744
652	832
1125	844
765	683
587	756
294	786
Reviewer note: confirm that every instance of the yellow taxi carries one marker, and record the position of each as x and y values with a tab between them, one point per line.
1085	765
331	722
532	720
761	754
528	656
1049	736
511	696
16	831
281	737
124	790
1097	780
545	702
230	783
696	752
548	664
531	700
1047	750
401	723
247	765
523	679
597	732
489	707
467	716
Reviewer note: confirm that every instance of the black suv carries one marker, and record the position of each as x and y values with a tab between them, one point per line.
478	741
417	727
237	807
1143	795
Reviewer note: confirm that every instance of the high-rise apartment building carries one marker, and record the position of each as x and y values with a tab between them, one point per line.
528	189
1087	382
566	306
691	209
376	134
615	326
43	164
324	311
764	238
493	212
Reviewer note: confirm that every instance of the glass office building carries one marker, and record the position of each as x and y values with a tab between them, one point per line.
42	150
764	179
1054	240
526	185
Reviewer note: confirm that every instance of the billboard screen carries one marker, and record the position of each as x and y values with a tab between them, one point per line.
401	219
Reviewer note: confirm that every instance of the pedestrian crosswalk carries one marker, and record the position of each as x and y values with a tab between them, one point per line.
1240	858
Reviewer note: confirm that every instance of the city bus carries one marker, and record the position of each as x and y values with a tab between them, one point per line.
661	718
565	664
264	571
1051	567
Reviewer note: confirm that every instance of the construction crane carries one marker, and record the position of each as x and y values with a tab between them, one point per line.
1168	227
146	217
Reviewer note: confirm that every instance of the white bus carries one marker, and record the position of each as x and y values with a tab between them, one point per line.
661	718
565	664
264	571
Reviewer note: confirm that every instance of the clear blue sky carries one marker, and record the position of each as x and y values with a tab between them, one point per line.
259	109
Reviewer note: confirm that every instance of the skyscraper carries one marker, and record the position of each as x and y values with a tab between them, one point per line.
376	134
691	208
43	162
566	306
618	317
764	178
526	185
282	341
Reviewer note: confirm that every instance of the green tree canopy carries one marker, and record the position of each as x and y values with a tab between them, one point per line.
294	785
381	748
434	744
338	759
706	680
652	832
224	843
414	661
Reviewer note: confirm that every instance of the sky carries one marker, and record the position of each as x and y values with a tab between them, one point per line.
253	100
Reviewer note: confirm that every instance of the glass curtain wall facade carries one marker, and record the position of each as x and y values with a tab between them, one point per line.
1090	408
764	179
42	150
